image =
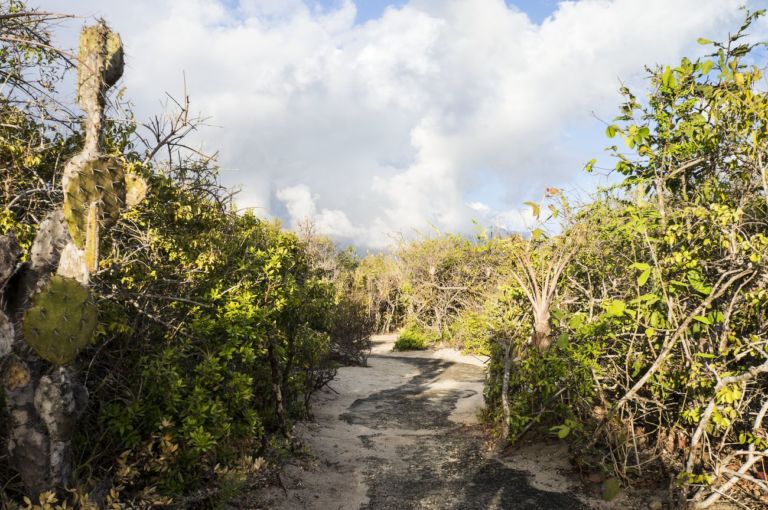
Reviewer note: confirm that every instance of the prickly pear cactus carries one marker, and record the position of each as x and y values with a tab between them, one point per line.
100	181
51	308
61	321
105	49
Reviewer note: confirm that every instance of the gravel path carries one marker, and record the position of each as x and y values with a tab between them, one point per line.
402	434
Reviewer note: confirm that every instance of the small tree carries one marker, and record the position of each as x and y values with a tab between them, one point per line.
539	263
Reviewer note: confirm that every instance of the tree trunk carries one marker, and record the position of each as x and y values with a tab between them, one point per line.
277	392
540	338
505	392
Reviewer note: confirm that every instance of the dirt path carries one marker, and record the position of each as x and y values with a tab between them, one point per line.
402	434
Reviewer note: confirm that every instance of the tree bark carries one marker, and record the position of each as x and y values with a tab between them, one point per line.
277	392
505	392
541	336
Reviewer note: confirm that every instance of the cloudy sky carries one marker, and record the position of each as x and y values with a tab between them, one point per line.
379	117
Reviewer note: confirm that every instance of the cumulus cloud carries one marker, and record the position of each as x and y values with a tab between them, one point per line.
301	206
395	124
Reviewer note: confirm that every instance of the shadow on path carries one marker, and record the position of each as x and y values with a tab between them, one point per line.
440	465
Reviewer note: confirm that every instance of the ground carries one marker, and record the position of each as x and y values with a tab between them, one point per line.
402	434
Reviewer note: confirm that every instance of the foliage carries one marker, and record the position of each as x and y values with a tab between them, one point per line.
659	320
413	338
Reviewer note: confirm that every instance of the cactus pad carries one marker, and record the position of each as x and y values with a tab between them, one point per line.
102	47
61	321
101	181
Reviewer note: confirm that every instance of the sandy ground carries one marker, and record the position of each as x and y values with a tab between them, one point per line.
403	433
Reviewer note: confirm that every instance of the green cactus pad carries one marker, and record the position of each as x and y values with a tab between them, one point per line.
100	180
100	46
61	321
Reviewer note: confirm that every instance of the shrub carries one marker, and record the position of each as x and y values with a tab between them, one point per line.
351	330
471	334
414	338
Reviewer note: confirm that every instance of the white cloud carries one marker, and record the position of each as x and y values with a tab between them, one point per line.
301	206
479	207
387	127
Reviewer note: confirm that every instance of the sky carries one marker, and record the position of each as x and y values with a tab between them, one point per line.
382	118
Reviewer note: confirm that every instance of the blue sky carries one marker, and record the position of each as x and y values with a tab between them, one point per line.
537	10
434	115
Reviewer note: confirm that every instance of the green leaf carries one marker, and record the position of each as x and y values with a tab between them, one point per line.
562	340
645	272
576	321
590	165
697	283
616	308
562	431
643	277
702	319
703	41
637	366
706	67
667	78
553	210
611	130
535	207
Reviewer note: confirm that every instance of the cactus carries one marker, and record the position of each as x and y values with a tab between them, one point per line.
6	335
102	52
46	303
9	257
100	181
61	320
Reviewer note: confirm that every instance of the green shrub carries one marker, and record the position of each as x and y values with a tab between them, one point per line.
414	338
471	334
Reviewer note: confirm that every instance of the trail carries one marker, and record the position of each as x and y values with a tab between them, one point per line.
402	434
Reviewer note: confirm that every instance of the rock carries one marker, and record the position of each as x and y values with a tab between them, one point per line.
655	504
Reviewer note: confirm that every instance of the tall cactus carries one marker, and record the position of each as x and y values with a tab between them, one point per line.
48	314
